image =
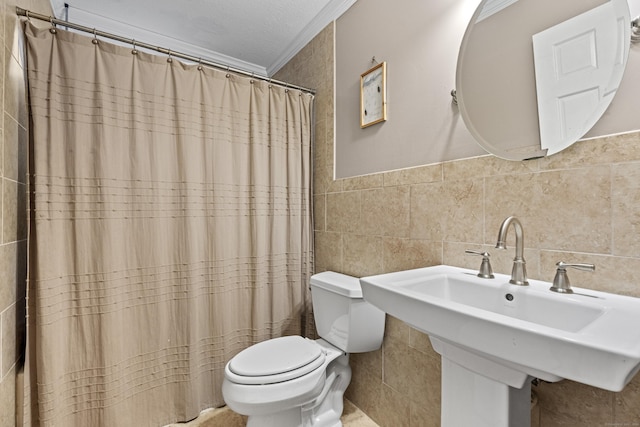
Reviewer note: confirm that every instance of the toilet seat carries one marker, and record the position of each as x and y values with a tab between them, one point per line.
275	360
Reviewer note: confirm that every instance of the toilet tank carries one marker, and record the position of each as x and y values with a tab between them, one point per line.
342	316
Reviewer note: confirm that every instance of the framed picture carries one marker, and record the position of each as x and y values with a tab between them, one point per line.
373	95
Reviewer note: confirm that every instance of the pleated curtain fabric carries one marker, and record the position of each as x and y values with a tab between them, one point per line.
170	228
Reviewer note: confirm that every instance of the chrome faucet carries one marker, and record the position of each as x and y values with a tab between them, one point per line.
519	271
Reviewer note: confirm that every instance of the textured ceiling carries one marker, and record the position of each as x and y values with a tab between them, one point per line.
259	36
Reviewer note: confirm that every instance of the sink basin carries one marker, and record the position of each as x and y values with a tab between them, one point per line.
511	333
541	308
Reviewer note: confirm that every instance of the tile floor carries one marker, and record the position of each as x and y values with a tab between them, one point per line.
224	417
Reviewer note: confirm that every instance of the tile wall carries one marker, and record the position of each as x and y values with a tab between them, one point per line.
13	167
582	205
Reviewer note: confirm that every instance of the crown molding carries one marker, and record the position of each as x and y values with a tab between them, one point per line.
329	13
136	33
332	11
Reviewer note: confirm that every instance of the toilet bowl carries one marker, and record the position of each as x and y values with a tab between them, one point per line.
294	381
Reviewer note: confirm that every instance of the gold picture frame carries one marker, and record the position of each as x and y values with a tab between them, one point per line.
373	95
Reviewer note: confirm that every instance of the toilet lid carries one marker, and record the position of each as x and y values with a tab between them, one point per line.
276	360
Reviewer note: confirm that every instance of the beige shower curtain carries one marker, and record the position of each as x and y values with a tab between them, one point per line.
170	228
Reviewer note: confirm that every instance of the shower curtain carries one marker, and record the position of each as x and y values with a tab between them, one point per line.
170	227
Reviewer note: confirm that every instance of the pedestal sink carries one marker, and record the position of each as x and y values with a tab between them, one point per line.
495	337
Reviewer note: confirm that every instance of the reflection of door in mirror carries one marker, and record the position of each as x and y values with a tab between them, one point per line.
578	67
495	78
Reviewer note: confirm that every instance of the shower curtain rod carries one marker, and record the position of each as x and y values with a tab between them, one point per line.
55	21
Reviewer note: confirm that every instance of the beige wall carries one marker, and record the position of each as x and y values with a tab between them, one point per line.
13	167
420	41
581	205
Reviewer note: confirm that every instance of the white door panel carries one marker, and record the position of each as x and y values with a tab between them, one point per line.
577	72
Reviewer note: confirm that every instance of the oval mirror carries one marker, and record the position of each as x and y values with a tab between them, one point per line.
534	76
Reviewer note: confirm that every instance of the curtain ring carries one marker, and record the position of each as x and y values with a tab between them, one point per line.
27	15
134	51
199	64
169	59
95	37
53	29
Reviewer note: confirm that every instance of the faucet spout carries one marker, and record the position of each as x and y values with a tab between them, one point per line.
519	271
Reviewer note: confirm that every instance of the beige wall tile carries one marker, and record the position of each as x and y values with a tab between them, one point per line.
362	255
397	330
424	415
8	336
319	212
463	211
323	159
365	391
14	211
414	374
15	150
625	195
369	363
320	152
406	254
427	221
8	400
393	410
5	59
564	210
626	410
448	211
479	167
369	398
598	151
362	182
417	175
8	265
328	252
386	211
343	212
14	90
572	404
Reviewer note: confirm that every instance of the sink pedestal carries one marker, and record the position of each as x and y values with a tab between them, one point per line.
481	400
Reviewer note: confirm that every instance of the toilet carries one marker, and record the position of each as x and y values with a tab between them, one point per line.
293	381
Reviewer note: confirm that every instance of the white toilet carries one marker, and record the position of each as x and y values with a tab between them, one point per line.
294	381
